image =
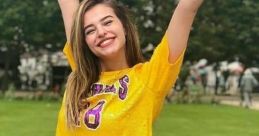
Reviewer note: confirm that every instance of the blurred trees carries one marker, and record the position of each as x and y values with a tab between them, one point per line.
28	25
152	17
226	29
222	29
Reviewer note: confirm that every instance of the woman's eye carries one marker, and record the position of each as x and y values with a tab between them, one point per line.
108	22
89	32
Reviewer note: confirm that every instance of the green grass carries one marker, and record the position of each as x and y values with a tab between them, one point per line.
28	118
34	118
207	120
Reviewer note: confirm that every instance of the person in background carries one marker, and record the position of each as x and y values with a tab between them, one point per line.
247	84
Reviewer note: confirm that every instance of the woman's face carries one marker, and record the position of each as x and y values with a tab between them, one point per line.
104	32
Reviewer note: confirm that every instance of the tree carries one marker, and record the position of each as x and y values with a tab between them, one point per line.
226	29
152	18
31	25
222	29
26	26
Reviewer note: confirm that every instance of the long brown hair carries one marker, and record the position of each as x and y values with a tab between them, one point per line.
88	68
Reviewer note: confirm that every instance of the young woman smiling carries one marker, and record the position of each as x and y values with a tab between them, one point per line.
111	90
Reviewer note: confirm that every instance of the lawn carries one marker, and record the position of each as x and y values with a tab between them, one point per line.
207	120
38	118
28	118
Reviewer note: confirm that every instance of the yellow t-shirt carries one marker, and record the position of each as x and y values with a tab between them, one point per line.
125	102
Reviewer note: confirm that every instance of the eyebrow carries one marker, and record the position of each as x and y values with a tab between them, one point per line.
108	16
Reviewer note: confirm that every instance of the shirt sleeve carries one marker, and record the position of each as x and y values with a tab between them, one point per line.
62	129
158	73
68	52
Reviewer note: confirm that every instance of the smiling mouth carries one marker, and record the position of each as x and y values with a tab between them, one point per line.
105	42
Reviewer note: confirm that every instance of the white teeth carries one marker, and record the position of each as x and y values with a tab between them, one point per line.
106	42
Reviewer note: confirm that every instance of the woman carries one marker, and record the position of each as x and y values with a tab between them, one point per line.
110	90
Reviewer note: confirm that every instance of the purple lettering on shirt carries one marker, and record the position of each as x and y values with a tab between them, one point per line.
97	88
110	88
95	114
124	87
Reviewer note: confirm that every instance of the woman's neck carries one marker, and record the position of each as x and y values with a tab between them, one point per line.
114	64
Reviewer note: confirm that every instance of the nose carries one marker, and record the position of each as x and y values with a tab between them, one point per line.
101	31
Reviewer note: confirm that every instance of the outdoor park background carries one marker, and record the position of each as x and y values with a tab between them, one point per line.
33	69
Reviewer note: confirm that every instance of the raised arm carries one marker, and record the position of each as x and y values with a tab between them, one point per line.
179	27
68	9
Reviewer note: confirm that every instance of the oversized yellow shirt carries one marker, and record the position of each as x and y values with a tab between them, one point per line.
125	102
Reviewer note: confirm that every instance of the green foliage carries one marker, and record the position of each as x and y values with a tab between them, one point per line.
1	95
226	29
152	18
222	29
30	24
9	93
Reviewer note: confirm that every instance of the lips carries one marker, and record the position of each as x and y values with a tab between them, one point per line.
105	42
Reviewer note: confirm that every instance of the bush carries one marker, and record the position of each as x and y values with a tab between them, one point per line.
10	92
